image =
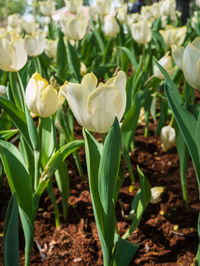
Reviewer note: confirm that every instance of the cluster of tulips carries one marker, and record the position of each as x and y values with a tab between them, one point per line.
49	76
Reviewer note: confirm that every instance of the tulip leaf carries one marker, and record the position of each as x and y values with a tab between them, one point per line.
185	119
14	167
61	58
184	156
28	233
98	37
124	252
139	203
34	138
93	152
11	238
107	179
74	62
18	118
48	141
131	55
7	134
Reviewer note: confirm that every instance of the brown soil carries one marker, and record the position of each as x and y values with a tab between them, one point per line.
167	234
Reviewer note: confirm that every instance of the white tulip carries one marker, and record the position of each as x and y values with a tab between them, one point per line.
95	108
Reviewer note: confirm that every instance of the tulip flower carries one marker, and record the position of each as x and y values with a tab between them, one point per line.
188	60
51	48
43	99
122	13
47	8
156	193
35	44
74	6
30	27
197	2
74	28
168	136
12	51
172	35
168	7
13	20
141	32
166	63
95	108
102	7
111	27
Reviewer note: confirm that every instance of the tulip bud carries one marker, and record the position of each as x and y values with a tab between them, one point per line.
95	108
188	60
2	90
83	69
168	136
43	99
47	8
166	63
141	32
35	44
74	27
111	27
12	51
156	193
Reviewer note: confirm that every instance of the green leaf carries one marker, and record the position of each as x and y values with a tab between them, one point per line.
139	203
48	141
74	62
34	138
11	239
131	55
28	233
17	175
18	118
93	152
61	58
184	156
98	37
7	134
107	178
124	252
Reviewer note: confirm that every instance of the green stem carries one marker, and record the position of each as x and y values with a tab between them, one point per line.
128	161
39	68
55	206
78	164
37	156
171	121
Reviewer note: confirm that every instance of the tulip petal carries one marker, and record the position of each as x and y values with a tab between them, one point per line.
89	82
120	83
103	105
191	64
77	100
31	95
177	54
46	101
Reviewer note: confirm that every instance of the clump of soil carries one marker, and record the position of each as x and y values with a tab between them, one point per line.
167	234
